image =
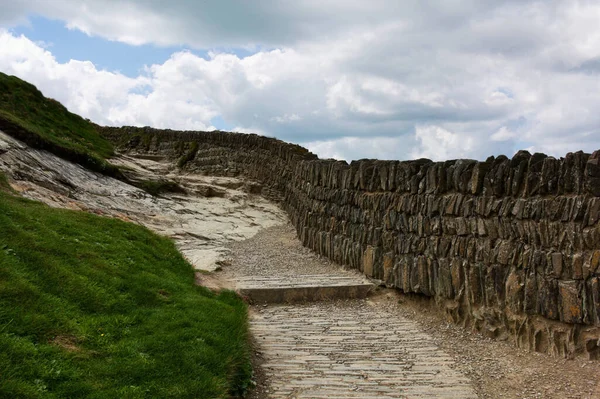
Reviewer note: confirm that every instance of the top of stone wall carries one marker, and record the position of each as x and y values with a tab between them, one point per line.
524	175
230	139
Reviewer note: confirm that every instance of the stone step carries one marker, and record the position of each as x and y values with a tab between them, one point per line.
302	288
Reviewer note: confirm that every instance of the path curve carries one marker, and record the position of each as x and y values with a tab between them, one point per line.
355	348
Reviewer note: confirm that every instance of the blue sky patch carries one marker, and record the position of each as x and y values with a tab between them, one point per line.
220	124
66	44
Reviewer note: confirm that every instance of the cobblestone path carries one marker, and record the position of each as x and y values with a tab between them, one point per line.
351	349
356	348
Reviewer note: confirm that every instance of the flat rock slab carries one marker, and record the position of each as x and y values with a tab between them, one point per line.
302	288
201	226
351	349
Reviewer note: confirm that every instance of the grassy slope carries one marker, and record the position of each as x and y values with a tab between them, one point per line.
99	308
23	103
45	123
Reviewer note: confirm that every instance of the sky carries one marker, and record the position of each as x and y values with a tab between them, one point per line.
348	79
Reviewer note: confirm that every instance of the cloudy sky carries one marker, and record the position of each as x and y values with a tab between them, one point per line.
348	79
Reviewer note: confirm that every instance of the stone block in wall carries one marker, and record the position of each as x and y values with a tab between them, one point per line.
556	261
491	228
457	275
547	289
462	228
406	273
539	262
591	237
530	294
434	178
549	176
477	177
593	185
518	165
463	171
368	266
593	291
443	286
592	214
495	282
518	208
420	277
570	301
515	290
571	175
503	252
534	184
388	268
594	262
471	255
577	271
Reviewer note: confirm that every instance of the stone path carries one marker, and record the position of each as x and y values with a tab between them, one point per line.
354	348
351	349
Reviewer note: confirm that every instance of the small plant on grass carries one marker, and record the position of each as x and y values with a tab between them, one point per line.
189	155
157	187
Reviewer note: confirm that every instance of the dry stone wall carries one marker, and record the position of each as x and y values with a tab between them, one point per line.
266	160
510	247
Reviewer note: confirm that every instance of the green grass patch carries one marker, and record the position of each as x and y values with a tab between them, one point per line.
157	187
46	124
189	155
98	308
4	186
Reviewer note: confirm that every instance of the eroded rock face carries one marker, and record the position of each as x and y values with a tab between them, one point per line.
213	211
507	246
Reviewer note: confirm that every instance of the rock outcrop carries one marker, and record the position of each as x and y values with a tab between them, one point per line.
510	247
202	220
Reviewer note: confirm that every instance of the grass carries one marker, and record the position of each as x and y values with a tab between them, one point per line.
157	187
189	155
4	186
46	124
98	308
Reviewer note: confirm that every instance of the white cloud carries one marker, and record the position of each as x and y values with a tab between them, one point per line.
285	118
105	97
350	148
351	79
503	134
439	144
499	98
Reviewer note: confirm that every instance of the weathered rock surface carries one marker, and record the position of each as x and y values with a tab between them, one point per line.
507	246
213	212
